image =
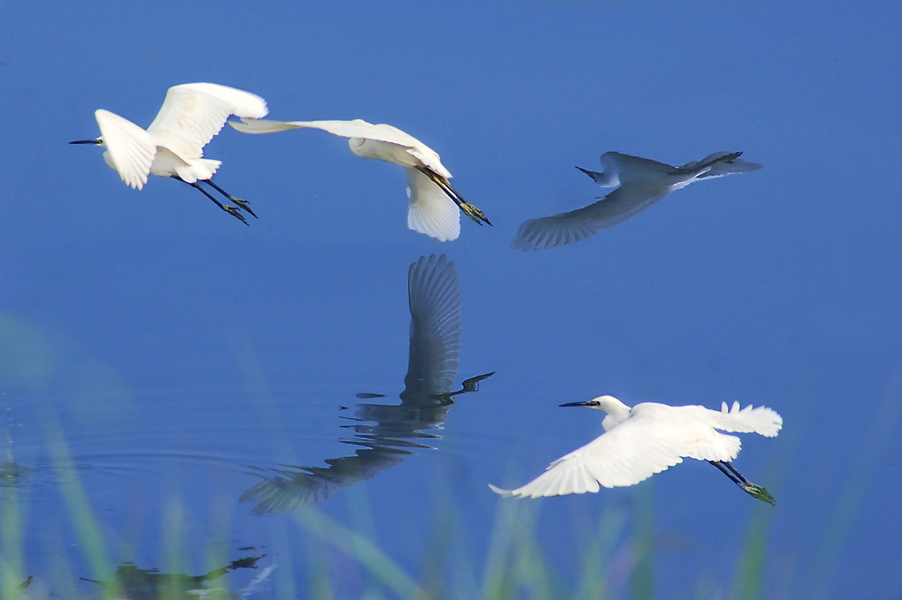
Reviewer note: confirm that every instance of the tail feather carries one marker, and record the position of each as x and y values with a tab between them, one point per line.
761	420
197	169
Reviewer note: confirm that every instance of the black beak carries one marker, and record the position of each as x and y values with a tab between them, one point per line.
95	142
576	404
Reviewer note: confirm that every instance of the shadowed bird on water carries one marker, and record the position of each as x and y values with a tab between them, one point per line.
385	434
172	146
647	439
428	189
642	183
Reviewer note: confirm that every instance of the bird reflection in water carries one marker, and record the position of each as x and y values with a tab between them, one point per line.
641	181
387	433
133	582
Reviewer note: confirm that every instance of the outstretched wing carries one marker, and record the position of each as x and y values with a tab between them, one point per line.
622	456
357	128
569	227
430	210
195	112
130	149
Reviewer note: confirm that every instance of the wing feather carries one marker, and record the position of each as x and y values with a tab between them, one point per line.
357	128
435	328
430	210
623	456
193	113
130	149
569	227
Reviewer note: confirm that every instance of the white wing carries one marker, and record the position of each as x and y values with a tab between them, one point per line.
357	128
435	328
567	228
430	210
627	454
195	112
130	149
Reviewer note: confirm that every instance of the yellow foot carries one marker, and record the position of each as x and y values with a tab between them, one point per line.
243	204
233	210
758	492
474	213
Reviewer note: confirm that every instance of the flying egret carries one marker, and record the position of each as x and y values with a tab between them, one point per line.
428	189
647	439
172	146
642	183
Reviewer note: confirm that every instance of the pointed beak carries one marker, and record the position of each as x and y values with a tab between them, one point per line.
576	404
85	142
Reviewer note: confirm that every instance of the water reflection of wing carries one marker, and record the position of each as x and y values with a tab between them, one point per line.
434	292
569	227
292	487
386	433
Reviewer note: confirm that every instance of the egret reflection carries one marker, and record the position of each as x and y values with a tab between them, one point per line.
133	582
385	434
642	183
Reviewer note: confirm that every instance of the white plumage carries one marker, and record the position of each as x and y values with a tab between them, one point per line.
647	439
433	202
172	146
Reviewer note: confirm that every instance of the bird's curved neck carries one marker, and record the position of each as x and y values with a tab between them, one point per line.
617	413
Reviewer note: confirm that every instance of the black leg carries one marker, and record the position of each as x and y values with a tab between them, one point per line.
722	468
753	489
733	470
238	201
468	209
232	210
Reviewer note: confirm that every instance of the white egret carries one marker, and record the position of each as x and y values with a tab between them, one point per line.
428	190
642	183
172	146
647	439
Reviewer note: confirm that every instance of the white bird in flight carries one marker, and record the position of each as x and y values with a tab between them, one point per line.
647	439
172	146
642	183
430	209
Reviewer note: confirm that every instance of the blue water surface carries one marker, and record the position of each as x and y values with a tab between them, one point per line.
158	359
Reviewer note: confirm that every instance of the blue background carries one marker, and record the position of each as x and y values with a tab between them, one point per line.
180	351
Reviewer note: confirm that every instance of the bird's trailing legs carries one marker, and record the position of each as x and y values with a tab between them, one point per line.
753	489
244	204
705	167
468	209
232	210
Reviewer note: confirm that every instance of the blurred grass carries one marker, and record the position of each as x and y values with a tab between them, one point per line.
614	553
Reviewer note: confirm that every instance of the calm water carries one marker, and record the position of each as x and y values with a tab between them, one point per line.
183	394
